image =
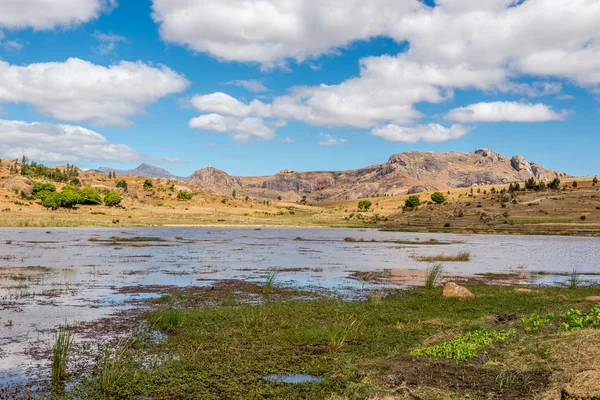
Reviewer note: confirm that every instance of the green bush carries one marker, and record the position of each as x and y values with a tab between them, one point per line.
412	202
52	200
364	205
123	185
438	198
69	198
89	196
148	184
112	199
42	190
183	195
75	182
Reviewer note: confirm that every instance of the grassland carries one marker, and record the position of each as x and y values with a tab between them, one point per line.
215	345
570	211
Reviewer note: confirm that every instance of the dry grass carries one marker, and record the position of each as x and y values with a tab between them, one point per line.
463	256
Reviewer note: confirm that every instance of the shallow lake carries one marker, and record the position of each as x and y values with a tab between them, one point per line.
52	276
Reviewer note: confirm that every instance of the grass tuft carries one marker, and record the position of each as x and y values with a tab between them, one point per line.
268	288
60	353
339	332
574	281
434	273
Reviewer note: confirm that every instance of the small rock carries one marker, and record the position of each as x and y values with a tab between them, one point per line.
562	297
524	290
453	290
593	299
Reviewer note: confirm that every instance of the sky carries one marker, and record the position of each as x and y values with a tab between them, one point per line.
256	86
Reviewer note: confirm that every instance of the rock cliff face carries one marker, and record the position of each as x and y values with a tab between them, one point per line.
410	172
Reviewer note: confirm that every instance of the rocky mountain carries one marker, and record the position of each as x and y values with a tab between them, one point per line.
143	169
403	173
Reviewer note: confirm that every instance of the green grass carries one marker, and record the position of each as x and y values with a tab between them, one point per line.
574	281
268	288
463	256
60	353
526	220
434	274
224	352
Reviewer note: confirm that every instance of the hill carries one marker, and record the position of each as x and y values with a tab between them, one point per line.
145	170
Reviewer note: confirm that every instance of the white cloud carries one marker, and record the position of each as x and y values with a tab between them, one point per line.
427	133
565	97
287	139
47	14
108	41
78	91
63	143
510	111
329	140
240	129
250	84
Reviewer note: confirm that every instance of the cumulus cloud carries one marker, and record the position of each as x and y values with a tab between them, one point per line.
63	143
47	14
426	133
287	139
329	140
240	129
251	84
78	91
510	111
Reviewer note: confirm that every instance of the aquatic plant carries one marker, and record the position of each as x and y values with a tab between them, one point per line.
60	353
463	256
574	280
434	273
171	319
255	318
339	332
268	288
111	371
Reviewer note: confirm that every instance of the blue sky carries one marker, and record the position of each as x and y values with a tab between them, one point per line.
328	86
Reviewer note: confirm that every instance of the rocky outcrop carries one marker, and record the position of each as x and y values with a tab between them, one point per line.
146	170
410	172
18	184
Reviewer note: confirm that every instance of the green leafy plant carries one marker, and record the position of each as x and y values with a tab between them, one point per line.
122	184
534	322
112	199
574	320
465	346
412	202
438	198
339	332
268	288
364	205
184	195
148	184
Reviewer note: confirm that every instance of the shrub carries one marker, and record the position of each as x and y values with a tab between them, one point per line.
595	181
575	184
89	196
112	199
412	202
75	182
554	184
52	200
183	195
69	198
364	205
148	184
42	190
122	184
438	198
583	218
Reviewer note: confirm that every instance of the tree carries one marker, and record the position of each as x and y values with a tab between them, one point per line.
75	182
595	181
42	190
148	184
69	198
412	202
122	184
233	193
52	200
89	196
184	195
530	184
517	187
541	186
438	198
112	199
279	198
364	205
575	184
511	188
554	184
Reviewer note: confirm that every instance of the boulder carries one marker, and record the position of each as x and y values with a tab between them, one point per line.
179	188
593	299
453	290
19	183
101	187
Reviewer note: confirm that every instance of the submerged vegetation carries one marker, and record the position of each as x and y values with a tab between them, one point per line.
434	274
60	353
463	256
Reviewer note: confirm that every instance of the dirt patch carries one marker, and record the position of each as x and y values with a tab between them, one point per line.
471	378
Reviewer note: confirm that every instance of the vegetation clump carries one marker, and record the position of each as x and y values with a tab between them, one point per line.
434	273
443	257
438	198
412	202
148	184
112	199
183	195
122	184
364	205
60	353
465	346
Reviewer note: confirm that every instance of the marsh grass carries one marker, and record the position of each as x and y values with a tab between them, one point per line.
60	353
574	280
434	274
376	296
339	332
112	370
268	288
171	320
463	256
254	318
